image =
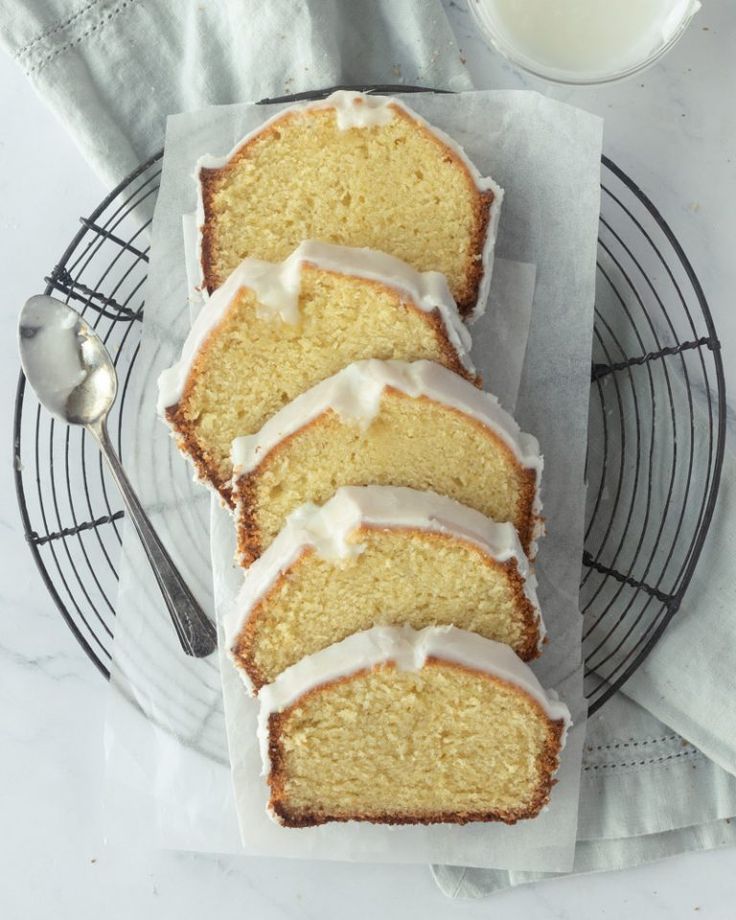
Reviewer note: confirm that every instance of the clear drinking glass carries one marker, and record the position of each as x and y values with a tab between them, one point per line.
556	50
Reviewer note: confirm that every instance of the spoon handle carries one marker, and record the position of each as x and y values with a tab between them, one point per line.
195	630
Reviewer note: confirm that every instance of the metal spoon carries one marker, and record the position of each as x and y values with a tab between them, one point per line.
74	378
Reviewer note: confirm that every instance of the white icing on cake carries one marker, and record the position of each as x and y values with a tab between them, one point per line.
409	649
277	286
355	110
196	291
327	529
488	255
360	110
355	392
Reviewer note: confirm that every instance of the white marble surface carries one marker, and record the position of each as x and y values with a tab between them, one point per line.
674	130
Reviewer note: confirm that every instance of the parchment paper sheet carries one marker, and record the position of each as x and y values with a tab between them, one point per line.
166	761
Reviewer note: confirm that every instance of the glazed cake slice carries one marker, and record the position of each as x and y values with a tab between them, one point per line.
386	423
274	330
380	555
357	170
395	726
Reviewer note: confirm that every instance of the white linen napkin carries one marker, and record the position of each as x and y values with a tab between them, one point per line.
113	69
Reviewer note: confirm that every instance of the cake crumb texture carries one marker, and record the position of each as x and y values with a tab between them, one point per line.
441	744
416	442
394	187
400	576
251	366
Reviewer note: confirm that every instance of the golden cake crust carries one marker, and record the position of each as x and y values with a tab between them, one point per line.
243	649
187	443
245	488
548	762
212	178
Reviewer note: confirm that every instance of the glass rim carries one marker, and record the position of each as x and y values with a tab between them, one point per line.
569	78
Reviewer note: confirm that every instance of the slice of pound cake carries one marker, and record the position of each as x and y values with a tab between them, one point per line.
380	555
357	170
395	726
386	423
274	330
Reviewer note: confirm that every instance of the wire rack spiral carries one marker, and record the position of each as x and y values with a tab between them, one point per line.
656	434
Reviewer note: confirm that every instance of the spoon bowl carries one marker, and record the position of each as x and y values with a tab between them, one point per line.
65	362
74	378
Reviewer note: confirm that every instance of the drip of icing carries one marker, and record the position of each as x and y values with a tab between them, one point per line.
327	530
355	394
276	286
363	110
197	293
359	110
408	649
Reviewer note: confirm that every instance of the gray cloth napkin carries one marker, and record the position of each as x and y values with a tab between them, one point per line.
112	70
658	775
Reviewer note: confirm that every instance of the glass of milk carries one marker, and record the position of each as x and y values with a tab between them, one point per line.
583	41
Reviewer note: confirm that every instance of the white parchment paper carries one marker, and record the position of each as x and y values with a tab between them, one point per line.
166	759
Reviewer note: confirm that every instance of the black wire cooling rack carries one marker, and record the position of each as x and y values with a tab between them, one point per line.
656	436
